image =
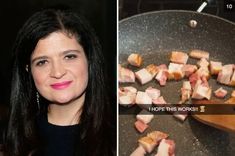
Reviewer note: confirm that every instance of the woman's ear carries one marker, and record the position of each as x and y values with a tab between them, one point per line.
27	68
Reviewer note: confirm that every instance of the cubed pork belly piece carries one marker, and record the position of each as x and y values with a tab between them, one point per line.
193	79
148	143
135	59
162	75
203	72
166	148
143	100
232	82
152	69
153	93
143	76
215	67
225	74
180	116
157	136
201	91
198	54
159	101
186	92
179	57
220	93
127	95
145	116
203	63
233	93
125	75
141	126
189	69
139	151
175	71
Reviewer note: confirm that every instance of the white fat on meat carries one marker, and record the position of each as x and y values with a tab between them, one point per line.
179	57
125	75
127	95
159	101
203	63
203	72
161	76
145	116
147	143
143	76
166	148
220	93
143	100
139	151
180	116
189	69
201	91
215	67
135	59
225	74
198	54
175	71
186	91
153	93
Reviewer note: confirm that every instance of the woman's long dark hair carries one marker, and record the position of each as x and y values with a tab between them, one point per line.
98	133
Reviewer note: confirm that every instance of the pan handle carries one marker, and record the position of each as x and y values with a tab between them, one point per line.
204	4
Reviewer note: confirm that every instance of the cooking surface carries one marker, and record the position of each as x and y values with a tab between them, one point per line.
154	35
192	138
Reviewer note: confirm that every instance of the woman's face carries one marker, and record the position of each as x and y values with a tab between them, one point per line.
59	68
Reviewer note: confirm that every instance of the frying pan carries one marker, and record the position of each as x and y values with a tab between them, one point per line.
154	35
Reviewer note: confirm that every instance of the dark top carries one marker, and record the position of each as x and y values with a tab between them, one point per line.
57	140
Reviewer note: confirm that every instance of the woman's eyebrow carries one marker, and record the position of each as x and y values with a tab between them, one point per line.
38	58
69	51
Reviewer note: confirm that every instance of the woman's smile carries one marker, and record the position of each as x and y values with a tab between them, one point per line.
61	85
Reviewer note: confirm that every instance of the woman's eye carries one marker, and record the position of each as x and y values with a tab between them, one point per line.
70	56
41	62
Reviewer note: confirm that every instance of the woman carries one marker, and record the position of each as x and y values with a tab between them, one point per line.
59	104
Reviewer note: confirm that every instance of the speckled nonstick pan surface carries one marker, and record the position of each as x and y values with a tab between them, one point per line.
154	35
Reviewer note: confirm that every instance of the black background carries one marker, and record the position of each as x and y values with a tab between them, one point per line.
100	14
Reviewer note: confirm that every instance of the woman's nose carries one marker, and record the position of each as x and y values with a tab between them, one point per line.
57	70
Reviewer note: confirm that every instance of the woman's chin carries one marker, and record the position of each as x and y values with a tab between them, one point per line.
62	100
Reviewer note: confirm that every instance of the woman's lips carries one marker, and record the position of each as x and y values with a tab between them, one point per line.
61	85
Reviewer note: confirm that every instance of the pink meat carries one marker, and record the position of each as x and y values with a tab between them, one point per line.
125	75
159	101
153	92
220	93
186	91
127	95
140	126
201	90
166	148
162	77
225	74
181	117
189	69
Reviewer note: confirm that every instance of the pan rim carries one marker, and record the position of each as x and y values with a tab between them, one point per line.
173	11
